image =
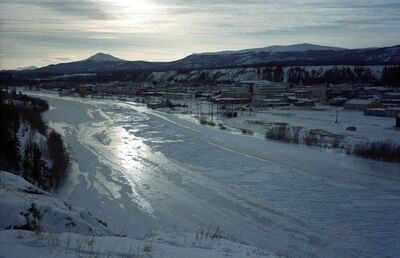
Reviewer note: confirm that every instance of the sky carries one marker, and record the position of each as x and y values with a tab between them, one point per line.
42	32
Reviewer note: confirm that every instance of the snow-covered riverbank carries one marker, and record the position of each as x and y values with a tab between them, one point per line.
143	170
34	223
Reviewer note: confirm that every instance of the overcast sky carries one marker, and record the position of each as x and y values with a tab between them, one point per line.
40	32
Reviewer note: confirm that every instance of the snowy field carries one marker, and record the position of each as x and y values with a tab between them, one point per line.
149	171
369	128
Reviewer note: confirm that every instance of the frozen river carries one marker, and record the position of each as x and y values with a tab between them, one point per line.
145	171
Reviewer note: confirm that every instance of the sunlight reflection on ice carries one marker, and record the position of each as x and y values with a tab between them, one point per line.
122	154
130	152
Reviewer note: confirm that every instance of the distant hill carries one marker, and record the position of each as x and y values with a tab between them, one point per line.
276	48
293	55
101	57
25	68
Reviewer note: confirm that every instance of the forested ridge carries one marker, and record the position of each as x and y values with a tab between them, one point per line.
27	147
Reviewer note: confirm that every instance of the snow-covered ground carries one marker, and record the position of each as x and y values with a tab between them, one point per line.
25	206
34	223
18	243
369	128
322	118
144	171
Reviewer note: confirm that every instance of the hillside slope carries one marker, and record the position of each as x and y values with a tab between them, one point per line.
25	206
34	223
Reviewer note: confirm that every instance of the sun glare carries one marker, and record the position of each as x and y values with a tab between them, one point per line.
134	6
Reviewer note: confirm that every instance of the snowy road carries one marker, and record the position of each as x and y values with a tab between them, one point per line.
145	170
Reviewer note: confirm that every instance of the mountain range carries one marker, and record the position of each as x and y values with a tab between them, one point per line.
292	55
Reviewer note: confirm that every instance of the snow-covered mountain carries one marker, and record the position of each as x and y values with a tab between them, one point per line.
26	68
294	55
278	48
297	55
102	57
308	74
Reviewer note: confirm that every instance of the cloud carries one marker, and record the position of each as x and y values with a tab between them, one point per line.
169	29
80	8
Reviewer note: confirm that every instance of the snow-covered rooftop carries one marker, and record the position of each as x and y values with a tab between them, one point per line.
360	101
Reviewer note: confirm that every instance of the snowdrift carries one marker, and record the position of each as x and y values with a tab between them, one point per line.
25	206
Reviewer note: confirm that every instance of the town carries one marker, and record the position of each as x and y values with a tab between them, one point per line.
259	95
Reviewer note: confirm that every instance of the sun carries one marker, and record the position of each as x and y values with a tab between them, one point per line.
140	16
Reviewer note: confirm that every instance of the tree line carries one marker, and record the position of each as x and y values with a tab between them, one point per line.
390	75
27	158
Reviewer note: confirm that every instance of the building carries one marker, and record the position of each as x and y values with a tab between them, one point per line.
388	112
375	90
302	93
304	102
360	104
338	101
393	112
340	91
275	102
233	101
238	90
318	92
375	112
179	95
267	89
391	99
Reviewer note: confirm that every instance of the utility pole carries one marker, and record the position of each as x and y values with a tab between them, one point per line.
337	114
212	112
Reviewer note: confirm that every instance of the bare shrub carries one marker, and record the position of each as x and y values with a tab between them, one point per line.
379	150
336	141
246	131
203	120
222	127
295	133
278	133
310	138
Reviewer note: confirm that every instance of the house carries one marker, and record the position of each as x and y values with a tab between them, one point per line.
318	92
360	104
391	99
235	91
375	112
393	112
388	112
233	101
302	93
179	95
340	91
267	88
338	101
274	102
304	102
